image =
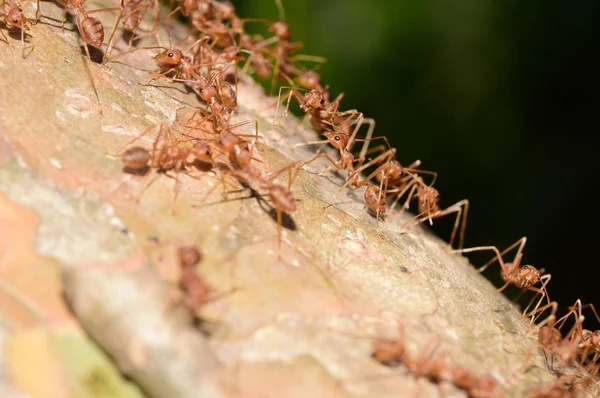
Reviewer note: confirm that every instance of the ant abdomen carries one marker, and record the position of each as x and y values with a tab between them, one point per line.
133	15
135	158
92	31
375	200
310	80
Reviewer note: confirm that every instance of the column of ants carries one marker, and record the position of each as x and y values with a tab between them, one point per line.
210	143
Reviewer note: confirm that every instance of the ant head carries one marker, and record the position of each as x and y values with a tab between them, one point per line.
229	140
596	340
462	376
281	30
207	91
202	151
388	352
310	79
431	195
394	170
16	17
188	256
314	99
169	58
339	141
232	53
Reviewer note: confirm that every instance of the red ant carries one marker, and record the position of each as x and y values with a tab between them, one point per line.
432	365
589	342
15	18
167	154
428	202
392	177
90	29
550	338
197	292
524	277
567	386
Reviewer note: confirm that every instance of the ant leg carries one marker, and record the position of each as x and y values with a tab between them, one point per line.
106	57
481	248
412	169
24	48
91	74
385	157
363	151
134	50
541	291
65	11
5	39
118	153
591	306
310	143
240	124
287	106
337	166
176	190
411	186
463	207
578	319
37	12
381	194
551	318
520	242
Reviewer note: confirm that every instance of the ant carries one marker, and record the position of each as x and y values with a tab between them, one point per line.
431	365
567	386
15	18
428	204
133	11
550	338
392	177
589	342
524	277
167	154
90	29
197	292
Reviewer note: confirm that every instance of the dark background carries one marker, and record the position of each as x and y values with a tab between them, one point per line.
500	97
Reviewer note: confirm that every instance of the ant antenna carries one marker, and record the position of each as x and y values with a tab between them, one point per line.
280	10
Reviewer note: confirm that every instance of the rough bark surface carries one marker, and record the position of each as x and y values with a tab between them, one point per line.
298	319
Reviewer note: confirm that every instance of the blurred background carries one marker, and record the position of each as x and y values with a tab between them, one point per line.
499	97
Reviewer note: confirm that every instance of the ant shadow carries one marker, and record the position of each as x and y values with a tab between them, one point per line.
57	21
96	55
287	221
130	37
373	213
15	34
136	172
